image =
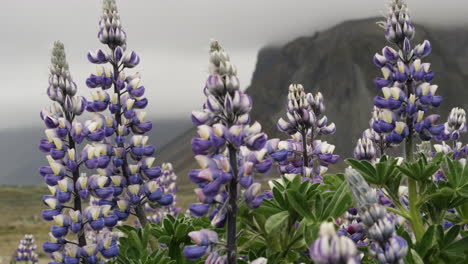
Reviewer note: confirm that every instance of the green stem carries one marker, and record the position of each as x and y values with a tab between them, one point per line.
416	221
399	212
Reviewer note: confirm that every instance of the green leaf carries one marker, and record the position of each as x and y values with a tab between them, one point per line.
416	258
275	221
145	235
451	234
181	231
168	226
298	202
333	182
126	229
427	241
457	248
278	185
340	201
278	196
463	191
134	241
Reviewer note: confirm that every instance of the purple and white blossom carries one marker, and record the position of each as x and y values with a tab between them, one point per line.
454	126
228	150
121	154
68	187
168	185
330	248
303	153
407	92
26	250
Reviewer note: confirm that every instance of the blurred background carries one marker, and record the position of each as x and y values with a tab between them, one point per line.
327	46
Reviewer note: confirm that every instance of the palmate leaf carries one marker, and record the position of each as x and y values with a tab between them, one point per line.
381	173
279	198
457	177
454	171
421	169
456	249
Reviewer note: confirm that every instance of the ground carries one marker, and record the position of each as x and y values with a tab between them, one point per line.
21	214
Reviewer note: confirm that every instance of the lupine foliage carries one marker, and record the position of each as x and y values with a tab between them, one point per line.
382	209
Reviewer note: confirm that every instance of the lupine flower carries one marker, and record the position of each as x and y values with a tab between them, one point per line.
227	148
204	240
26	251
224	122
126	177
123	176
167	183
407	92
60	146
459	150
455	125
365	150
303	153
330	248
385	245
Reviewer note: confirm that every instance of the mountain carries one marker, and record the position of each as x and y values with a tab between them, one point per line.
20	158
338	62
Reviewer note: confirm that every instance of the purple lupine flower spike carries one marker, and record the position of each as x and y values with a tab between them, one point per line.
330	248
229	150
63	134
407	92
385	245
26	250
126	177
305	121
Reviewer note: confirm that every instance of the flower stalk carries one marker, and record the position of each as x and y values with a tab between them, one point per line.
232	209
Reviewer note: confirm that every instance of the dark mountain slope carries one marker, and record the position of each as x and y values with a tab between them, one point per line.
338	62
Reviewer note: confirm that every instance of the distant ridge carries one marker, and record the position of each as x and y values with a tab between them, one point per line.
20	158
338	62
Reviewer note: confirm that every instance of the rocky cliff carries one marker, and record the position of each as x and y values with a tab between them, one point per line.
338	62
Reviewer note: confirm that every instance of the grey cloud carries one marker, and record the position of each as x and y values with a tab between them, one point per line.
171	38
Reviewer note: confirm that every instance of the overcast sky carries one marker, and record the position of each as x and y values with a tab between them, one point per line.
171	37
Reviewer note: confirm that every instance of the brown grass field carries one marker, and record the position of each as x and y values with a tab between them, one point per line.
20	214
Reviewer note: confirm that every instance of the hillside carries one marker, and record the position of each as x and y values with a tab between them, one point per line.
20	158
338	62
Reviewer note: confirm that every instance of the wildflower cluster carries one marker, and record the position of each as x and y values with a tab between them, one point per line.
304	153
118	187
415	211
